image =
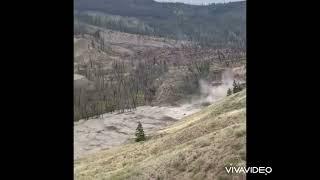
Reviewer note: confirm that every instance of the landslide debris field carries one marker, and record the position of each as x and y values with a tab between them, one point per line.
113	129
197	147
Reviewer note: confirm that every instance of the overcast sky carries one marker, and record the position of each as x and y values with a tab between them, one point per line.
198	1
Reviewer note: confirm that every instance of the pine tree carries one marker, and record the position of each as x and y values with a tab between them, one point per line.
229	92
140	133
236	87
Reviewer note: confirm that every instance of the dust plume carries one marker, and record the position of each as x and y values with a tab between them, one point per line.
213	91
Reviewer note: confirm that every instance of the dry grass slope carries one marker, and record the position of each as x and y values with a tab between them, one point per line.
196	148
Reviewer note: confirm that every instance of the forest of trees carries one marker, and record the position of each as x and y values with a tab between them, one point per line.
128	86
213	25
123	88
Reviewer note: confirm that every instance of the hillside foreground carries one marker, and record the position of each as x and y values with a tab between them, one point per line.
199	146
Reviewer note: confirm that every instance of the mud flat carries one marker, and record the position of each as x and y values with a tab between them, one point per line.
113	129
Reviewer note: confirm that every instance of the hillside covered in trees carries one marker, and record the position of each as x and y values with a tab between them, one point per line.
117	71
159	90
212	25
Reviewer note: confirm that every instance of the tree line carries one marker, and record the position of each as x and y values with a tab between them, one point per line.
121	89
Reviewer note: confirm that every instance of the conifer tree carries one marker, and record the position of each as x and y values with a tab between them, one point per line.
140	133
236	87
229	92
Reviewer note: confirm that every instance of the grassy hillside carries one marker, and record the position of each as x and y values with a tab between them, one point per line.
197	147
210	25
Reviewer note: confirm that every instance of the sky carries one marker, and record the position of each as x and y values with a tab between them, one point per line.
198	2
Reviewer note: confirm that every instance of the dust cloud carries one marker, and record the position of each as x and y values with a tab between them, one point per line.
213	91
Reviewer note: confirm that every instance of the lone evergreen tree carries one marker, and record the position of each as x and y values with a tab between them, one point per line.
229	92
236	87
140	133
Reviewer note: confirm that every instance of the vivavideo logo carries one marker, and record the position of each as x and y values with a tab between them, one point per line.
245	170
